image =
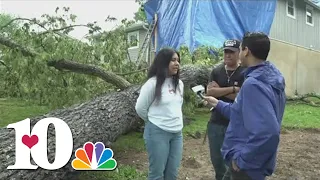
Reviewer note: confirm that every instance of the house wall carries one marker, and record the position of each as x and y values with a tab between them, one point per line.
295	30
300	67
133	52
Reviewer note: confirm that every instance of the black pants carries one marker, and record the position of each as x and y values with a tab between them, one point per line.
239	175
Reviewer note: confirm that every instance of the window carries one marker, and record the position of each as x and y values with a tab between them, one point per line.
309	15
291	8
133	39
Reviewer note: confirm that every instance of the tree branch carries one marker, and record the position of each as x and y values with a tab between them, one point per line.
4	64
13	45
63	28
311	99
23	19
132	72
42	26
107	76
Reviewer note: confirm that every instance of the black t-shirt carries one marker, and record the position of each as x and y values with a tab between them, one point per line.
219	75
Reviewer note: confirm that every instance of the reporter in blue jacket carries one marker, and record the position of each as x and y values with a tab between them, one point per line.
252	138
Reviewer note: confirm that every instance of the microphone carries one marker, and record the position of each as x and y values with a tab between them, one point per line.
198	89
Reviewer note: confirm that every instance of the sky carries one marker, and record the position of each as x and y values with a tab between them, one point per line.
86	11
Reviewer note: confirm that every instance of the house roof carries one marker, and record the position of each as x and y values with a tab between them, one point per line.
312	4
136	26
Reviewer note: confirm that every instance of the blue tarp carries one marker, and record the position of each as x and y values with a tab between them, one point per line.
194	23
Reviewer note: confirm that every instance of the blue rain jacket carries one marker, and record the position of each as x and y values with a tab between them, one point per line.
253	134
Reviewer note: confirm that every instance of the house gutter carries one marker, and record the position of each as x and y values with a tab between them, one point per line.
312	4
144	27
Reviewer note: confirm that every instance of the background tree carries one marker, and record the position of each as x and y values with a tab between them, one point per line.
140	15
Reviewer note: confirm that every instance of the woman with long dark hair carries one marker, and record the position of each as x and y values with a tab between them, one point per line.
160	106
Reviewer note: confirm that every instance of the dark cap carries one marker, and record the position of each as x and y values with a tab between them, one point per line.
232	44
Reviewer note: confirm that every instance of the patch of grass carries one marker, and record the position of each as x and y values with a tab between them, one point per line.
121	173
14	110
131	141
296	115
199	124
301	116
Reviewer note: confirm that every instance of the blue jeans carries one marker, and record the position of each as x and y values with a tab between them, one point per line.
216	134
164	152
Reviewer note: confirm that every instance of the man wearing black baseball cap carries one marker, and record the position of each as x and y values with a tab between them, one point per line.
252	139
232	45
224	84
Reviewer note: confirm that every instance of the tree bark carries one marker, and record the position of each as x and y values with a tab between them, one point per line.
13	45
103	119
107	76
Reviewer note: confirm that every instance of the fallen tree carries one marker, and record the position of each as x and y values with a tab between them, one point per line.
103	119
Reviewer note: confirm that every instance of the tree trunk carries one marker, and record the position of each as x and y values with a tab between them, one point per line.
103	119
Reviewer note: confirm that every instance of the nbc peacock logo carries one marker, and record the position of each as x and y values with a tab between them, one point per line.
94	157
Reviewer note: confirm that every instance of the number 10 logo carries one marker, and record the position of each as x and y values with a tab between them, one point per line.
36	144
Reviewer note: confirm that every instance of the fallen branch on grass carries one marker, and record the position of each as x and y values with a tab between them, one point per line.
305	99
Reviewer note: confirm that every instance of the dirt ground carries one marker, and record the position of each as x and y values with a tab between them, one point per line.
298	158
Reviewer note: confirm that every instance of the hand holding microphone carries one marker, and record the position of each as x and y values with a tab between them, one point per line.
208	100
211	101
198	89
